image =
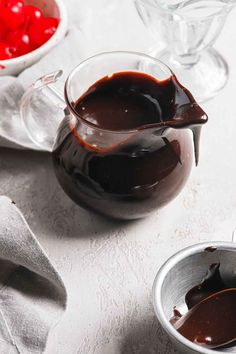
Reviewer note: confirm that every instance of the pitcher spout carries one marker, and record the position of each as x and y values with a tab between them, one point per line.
187	115
190	116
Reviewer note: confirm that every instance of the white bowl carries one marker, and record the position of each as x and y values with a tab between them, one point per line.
180	273
50	8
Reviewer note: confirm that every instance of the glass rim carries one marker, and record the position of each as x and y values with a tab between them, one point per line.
72	110
155	4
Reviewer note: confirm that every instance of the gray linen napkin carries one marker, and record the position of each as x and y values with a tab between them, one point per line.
32	294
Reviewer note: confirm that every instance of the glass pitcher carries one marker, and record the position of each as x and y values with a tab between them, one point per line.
124	174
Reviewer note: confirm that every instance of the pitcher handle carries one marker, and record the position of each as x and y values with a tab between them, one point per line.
42	110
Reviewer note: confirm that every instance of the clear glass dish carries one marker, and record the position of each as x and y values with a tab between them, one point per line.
189	29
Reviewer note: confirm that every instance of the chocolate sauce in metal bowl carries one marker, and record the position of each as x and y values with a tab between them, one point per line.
211	319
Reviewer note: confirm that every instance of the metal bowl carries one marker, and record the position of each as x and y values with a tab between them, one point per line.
180	273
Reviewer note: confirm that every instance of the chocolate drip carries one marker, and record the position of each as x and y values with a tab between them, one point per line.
211	283
176	316
211	249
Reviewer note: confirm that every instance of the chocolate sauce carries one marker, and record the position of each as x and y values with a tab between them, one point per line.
211	249
128	175
211	319
176	316
211	284
212	322
128	101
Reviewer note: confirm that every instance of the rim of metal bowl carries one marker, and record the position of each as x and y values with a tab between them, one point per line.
157	291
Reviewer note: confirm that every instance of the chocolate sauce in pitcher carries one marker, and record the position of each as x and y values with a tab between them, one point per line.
148	166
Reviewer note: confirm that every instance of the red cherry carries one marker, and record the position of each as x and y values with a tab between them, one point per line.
43	31
5	51
13	14
33	13
3	30
20	41
19	3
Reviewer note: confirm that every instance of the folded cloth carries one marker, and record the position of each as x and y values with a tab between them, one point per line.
32	294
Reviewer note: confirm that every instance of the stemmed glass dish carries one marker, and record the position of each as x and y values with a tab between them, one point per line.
189	29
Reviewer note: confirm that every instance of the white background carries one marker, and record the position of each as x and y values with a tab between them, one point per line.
108	267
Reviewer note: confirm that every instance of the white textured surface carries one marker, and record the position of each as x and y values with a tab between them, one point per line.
109	267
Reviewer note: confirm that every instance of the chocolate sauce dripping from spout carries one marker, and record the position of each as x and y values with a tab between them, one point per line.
188	115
